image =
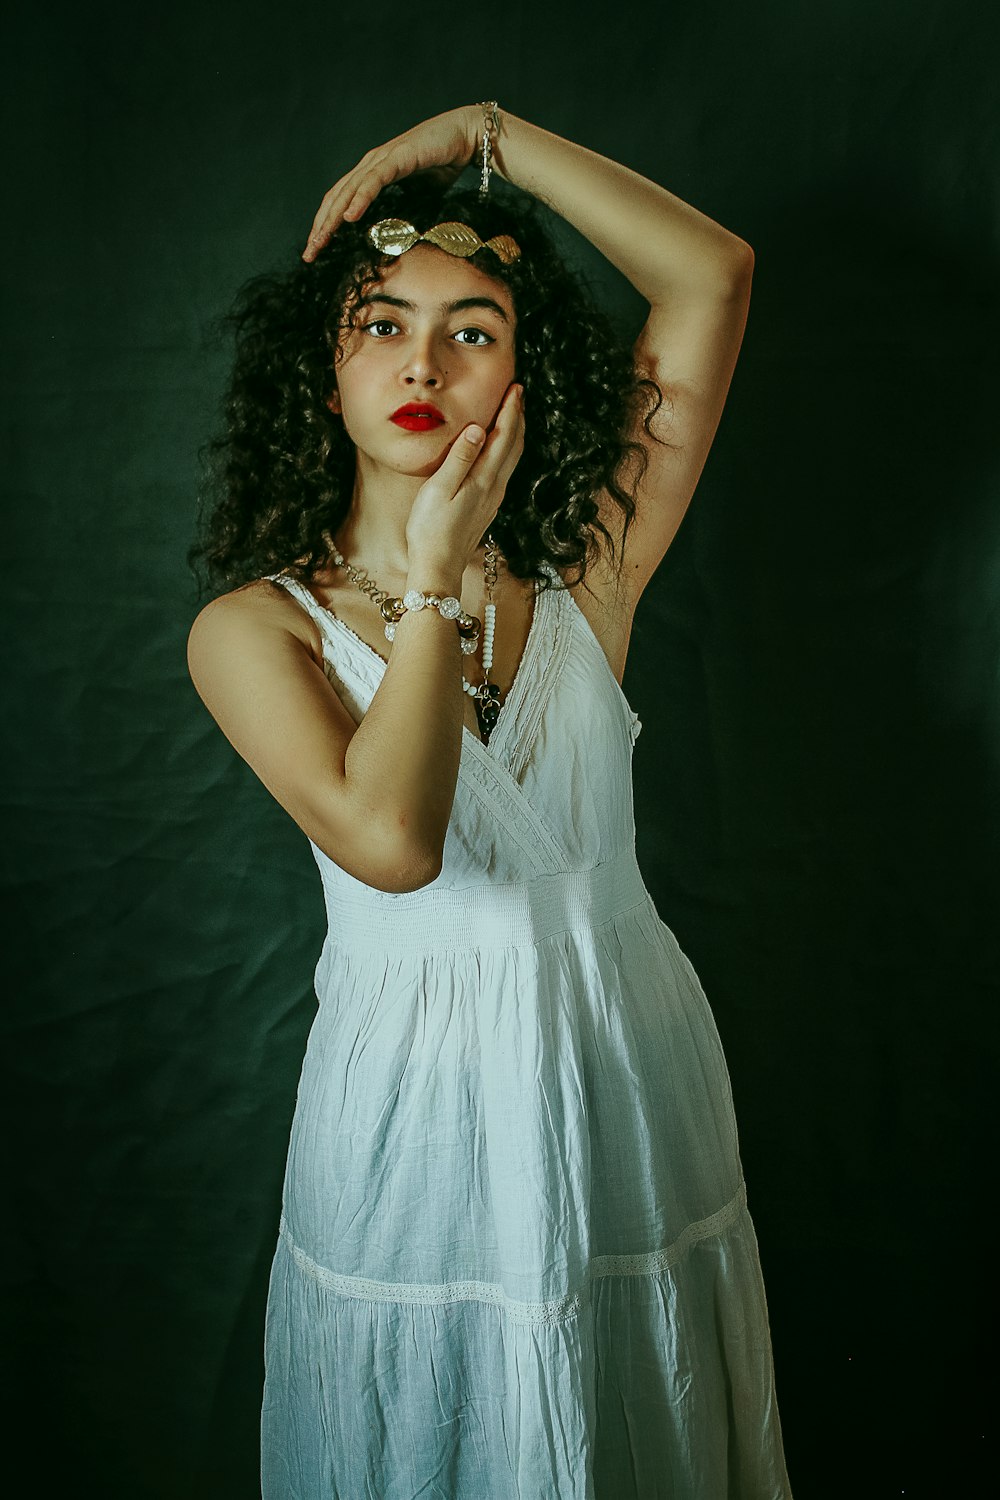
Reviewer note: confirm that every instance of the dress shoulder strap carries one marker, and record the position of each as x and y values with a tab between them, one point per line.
301	593
348	657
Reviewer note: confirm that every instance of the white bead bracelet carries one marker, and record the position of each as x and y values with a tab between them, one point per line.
447	605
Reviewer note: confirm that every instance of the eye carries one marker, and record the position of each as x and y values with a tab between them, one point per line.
481	338
380	323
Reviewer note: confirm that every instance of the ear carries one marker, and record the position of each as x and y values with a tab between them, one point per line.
333	402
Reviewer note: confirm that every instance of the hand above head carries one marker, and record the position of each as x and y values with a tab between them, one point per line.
444	145
457	505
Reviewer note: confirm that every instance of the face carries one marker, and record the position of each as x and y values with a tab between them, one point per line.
435	334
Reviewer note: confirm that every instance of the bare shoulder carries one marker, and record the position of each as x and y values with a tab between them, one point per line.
256	613
607	609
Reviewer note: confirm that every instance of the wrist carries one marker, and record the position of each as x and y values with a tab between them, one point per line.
481	121
435	575
473	121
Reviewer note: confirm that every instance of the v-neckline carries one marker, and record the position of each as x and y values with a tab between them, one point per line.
516	691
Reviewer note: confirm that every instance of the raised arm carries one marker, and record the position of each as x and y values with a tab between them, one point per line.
666	248
694	274
696	277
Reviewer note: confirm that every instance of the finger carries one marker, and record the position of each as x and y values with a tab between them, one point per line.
363	182
383	170
512	404
505	443
343	183
507	405
509	456
330	213
508	423
458	462
352	194
515	435
346	207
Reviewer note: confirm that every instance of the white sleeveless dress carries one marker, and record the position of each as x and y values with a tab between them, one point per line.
515	1260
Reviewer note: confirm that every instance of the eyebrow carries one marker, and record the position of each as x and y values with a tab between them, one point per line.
449	307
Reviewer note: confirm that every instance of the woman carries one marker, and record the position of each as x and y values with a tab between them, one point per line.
515	1258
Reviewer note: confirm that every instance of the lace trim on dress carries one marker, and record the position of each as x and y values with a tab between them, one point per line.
553	1311
491	782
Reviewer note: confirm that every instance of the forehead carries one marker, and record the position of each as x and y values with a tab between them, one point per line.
430	278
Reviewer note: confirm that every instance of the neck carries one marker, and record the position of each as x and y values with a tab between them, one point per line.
373	533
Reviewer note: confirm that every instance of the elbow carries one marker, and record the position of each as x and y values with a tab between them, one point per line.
427	875
726	276
412	870
406	863
401	882
741	274
384	863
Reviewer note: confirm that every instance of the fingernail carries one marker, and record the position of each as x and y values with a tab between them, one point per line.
474	435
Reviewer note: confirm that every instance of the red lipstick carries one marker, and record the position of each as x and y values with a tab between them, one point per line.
418	416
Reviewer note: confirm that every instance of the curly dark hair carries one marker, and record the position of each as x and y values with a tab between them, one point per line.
281	472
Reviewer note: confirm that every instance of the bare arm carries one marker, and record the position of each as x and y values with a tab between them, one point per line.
696	277
375	797
666	248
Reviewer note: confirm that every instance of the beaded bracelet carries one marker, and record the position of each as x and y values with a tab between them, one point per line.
393	610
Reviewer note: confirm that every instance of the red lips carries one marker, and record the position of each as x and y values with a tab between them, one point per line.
418	416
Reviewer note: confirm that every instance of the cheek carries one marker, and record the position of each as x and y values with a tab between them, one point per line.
348	393
501	384
510	368
348	378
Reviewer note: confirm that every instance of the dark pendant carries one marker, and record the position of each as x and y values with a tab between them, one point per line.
488	710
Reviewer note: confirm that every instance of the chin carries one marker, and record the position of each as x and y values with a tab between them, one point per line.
418	471
402	461
428	463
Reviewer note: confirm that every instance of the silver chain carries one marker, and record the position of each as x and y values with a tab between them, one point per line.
491	126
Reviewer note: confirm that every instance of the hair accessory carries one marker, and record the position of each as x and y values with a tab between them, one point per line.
396	236
392	609
491	124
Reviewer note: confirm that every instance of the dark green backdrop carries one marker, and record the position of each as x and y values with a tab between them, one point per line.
815	665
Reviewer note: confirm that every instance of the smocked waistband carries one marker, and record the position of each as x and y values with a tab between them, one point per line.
494	914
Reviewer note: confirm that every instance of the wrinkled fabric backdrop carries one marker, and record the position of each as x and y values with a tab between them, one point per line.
814	664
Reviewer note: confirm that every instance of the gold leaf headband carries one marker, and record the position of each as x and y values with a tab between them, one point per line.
395	237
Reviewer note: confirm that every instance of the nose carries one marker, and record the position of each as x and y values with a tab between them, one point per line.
423	364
